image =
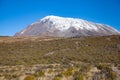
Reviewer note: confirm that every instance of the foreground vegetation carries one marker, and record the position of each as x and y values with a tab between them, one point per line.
70	71
84	49
82	58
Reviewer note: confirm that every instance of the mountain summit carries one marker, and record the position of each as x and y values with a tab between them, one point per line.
66	27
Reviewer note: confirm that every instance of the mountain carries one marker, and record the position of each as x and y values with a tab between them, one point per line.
66	27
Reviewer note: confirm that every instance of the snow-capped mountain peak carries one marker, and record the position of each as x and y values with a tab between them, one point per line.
66	27
62	23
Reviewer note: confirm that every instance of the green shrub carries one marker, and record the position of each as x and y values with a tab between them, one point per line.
50	71
40	74
102	66
30	77
113	75
79	78
57	78
68	72
78	75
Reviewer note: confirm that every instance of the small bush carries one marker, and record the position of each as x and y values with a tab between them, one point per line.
78	75
68	72
57	78
79	78
30	77
40	74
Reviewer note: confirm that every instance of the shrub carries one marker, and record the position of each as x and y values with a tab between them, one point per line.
68	72
57	78
40	74
80	77
113	75
30	77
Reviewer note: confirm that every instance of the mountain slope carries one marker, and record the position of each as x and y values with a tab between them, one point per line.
66	27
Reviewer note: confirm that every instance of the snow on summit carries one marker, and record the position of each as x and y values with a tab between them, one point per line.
65	23
66	27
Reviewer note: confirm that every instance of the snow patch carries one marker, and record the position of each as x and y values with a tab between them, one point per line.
23	31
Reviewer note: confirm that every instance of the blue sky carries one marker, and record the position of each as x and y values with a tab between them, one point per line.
16	15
